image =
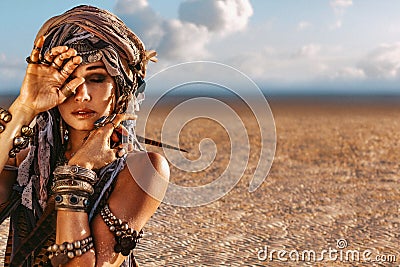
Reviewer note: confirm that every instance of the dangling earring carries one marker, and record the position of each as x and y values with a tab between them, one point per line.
63	132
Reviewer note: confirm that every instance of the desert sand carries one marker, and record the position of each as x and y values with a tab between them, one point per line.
335	176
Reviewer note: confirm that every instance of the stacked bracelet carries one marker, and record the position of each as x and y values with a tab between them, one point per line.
61	254
73	186
21	142
126	237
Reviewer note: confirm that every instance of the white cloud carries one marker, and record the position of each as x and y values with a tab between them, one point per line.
142	19
2	57
183	41
303	25
130	6
336	25
310	50
186	38
339	8
346	73
341	3
223	16
172	39
282	65
382	62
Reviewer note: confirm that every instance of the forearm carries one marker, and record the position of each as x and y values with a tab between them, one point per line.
73	226
21	115
72	187
7	180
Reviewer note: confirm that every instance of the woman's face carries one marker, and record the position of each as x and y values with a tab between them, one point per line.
93	99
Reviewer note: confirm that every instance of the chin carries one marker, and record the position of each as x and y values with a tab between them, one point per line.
81	126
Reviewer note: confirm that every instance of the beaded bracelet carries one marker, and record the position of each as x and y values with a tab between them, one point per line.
21	142
5	115
61	254
126	237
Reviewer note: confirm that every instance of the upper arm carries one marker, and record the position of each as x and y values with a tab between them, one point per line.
131	202
8	178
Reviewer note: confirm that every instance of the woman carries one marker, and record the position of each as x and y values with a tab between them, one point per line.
74	195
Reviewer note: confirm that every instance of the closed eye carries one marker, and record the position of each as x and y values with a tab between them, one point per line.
97	78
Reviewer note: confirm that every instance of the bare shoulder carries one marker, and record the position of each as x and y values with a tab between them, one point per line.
148	162
141	186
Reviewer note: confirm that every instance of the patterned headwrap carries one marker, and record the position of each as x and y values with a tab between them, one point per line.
97	35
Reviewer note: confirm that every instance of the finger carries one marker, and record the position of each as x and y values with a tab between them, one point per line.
127	146
59	60
108	129
123	117
120	134
70	66
69	89
123	149
55	51
121	129
114	137
36	50
120	151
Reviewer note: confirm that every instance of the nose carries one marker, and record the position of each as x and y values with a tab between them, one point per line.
82	94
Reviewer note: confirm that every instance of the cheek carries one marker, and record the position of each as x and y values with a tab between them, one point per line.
64	107
107	98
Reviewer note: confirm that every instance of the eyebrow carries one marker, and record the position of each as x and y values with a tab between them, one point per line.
95	67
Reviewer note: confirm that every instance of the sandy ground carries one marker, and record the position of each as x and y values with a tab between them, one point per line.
335	176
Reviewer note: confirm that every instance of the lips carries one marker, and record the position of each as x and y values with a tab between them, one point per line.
83	113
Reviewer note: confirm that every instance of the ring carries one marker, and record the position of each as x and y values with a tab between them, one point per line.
45	62
54	65
115	126
64	72
30	61
66	90
120	152
36	48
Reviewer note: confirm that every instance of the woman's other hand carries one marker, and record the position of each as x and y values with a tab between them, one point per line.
96	152
46	83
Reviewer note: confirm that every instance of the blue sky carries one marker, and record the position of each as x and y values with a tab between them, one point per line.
284	46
